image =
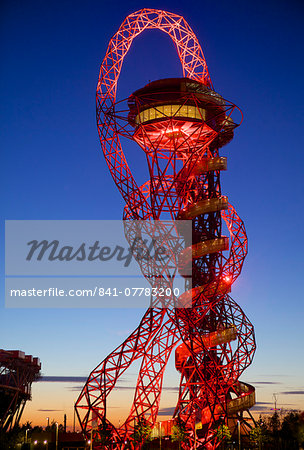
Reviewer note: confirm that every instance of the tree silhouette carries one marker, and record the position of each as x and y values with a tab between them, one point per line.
142	431
292	430
223	435
259	435
179	432
103	435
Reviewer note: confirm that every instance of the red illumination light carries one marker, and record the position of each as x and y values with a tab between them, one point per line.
227	279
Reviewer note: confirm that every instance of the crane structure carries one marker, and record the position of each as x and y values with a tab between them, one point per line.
17	372
180	124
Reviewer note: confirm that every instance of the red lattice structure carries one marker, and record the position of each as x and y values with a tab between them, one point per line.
17	372
180	124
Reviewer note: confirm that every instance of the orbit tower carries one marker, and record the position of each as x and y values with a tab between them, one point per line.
180	124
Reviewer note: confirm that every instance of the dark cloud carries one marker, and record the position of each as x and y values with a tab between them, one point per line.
293	392
265	382
129	388
75	388
125	388
63	379
79	388
49	410
69	379
259	408
171	389
166	411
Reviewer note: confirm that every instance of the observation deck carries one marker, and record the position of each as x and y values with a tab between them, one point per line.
178	114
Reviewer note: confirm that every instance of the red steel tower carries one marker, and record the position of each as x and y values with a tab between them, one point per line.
180	124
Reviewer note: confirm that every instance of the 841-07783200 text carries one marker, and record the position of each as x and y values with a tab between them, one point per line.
99	291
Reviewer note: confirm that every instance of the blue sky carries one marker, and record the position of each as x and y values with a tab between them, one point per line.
52	166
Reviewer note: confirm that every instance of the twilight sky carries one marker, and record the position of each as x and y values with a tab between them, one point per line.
52	168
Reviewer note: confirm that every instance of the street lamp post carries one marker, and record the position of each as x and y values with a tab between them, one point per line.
160	435
194	428
26	434
239	434
56	435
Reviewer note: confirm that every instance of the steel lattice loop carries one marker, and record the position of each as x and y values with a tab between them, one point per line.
180	124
